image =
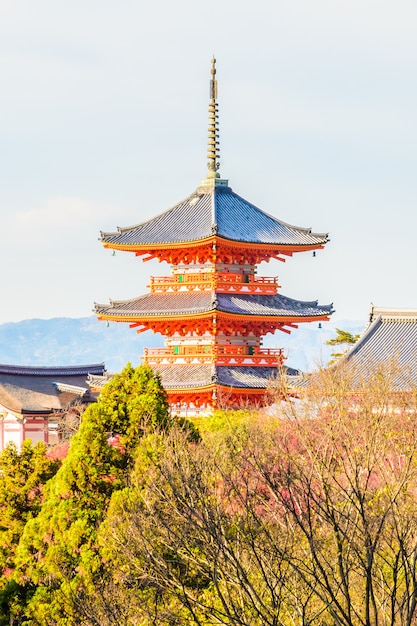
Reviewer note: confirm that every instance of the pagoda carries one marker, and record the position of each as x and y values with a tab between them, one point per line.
213	309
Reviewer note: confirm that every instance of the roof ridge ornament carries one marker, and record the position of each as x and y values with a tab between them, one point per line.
213	145
213	149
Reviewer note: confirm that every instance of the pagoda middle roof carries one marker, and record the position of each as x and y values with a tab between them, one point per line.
209	211
191	303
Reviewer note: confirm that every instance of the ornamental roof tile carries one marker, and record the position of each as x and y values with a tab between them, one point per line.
390	340
44	389
278	305
246	377
60	371
188	303
197	376
215	210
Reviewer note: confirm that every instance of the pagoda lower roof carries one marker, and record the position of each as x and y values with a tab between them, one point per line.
198	377
185	303
213	210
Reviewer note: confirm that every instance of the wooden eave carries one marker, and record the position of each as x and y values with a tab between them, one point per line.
216	387
136	319
216	395
147	248
192	390
18	412
169	317
272	318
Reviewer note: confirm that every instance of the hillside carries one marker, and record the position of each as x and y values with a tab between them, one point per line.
74	341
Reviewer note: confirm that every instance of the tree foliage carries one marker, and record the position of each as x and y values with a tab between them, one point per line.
302	517
343	339
311	521
22	478
58	548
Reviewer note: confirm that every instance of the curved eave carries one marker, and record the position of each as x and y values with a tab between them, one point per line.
19	410
140	249
209	389
113	317
134	319
191	389
270	318
209	305
212	211
60	371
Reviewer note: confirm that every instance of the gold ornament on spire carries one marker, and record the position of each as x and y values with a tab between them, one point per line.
213	128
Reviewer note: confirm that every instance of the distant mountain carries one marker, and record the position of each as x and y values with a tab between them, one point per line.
306	347
72	341
85	340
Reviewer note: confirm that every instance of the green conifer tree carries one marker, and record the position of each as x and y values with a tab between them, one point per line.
343	338
58	548
22	478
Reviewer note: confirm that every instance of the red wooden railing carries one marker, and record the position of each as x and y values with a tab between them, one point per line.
217	281
221	355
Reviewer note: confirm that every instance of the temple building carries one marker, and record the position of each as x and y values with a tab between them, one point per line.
32	399
213	309
389	342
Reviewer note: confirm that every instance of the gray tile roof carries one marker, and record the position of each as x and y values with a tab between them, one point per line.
186	376
246	377
214	211
60	370
44	389
198	376
389	339
195	376
278	305
186	302
152	304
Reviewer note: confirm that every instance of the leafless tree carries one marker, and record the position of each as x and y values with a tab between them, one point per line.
305	517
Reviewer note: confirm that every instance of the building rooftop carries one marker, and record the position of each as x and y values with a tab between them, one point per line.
390	340
214	210
45	389
200	376
189	303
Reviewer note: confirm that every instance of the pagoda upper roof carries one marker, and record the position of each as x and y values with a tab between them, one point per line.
390	341
191	303
213	209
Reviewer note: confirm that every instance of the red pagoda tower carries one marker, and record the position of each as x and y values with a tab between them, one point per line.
213	308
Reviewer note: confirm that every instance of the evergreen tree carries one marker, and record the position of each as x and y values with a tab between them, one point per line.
22	478
343	338
58	548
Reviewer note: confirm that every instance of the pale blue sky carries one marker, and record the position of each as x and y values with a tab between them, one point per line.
103	124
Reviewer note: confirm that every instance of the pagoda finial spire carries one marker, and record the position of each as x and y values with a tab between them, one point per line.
213	127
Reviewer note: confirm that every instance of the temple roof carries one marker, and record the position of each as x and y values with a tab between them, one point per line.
195	376
200	376
45	389
390	340
214	210
191	303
